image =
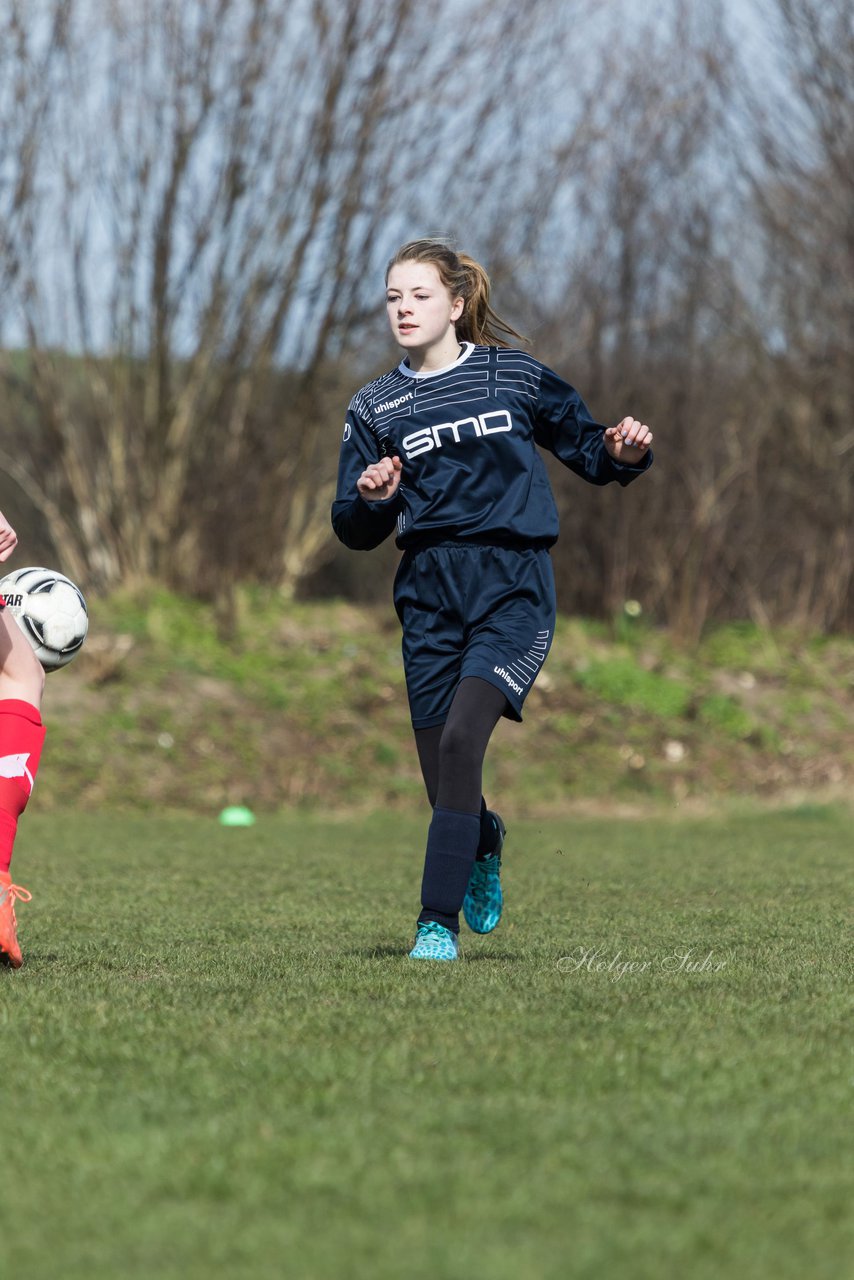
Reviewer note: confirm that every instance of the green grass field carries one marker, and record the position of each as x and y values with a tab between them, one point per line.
218	1060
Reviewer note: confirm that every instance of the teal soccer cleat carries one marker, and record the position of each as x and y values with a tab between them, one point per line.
434	942
484	900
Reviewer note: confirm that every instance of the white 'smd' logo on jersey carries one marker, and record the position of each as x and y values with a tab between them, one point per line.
348	431
427	438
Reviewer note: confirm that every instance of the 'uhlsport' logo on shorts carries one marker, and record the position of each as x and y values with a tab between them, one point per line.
499	671
481	427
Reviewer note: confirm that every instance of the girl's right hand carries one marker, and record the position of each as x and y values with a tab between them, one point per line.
8	538
380	480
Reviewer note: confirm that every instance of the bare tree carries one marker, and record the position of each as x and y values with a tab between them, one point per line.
197	201
224	178
29	58
644	323
710	290
802	185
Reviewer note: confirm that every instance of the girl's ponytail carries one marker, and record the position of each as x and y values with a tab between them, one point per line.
479	323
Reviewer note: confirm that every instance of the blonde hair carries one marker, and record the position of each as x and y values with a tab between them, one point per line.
463	278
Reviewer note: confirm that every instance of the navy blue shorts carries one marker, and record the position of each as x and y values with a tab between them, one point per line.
470	610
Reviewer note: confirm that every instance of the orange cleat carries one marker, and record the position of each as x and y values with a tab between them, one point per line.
10	952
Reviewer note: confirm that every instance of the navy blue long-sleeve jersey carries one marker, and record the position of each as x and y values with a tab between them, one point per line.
467	437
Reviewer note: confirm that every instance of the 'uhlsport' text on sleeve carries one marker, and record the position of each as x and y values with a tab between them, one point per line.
359	524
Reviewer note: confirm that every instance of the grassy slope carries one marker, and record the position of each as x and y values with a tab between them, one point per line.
218	1061
307	706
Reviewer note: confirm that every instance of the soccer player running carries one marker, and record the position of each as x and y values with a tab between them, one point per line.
21	740
444	450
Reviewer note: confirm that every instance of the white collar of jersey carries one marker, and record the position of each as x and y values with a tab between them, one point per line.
432	373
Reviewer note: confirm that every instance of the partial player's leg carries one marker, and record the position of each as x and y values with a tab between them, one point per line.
455	829
476	709
427	742
21	740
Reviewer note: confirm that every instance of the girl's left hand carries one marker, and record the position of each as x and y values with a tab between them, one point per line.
628	442
8	538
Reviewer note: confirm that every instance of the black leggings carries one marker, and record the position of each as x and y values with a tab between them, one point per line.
451	754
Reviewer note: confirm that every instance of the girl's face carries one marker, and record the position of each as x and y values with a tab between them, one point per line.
421	311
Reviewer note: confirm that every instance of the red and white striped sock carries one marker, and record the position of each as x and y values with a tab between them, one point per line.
21	741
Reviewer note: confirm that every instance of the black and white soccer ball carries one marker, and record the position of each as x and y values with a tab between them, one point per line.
50	610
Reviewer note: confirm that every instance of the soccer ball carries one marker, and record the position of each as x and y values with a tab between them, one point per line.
51	612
